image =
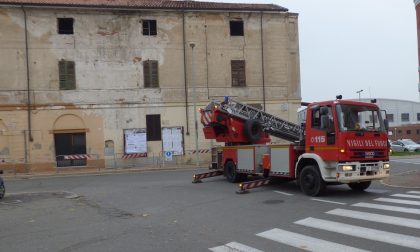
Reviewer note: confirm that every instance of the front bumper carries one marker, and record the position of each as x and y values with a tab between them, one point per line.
362	171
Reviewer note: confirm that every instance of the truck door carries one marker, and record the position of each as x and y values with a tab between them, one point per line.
320	133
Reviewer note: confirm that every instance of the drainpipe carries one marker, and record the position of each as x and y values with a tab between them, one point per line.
262	58
28	78
185	74
207	62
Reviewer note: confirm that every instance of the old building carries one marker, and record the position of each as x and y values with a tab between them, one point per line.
104	79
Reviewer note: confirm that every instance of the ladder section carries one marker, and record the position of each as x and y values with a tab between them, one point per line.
273	125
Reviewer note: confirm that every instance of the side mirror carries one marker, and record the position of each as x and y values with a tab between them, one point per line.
323	110
386	123
325	122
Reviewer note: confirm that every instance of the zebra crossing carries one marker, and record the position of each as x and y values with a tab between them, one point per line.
404	203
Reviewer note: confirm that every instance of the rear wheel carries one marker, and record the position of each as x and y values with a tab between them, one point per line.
310	181
230	172
359	187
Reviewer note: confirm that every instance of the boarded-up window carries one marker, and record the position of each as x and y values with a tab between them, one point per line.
149	27
67	75
154	131
238	73
65	25
150	71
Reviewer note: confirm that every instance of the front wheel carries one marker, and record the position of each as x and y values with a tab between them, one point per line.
310	181
359	187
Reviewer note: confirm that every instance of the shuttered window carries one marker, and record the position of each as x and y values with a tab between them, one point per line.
67	75
238	73
153	128
150	71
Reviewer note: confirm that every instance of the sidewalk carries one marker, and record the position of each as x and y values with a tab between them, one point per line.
92	171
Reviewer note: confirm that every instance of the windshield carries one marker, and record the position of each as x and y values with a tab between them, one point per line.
359	118
408	142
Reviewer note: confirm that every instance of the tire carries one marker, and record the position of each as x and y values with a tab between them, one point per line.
2	190
405	150
310	181
231	174
360	187
253	130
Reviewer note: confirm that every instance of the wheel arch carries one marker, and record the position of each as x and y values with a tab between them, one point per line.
310	159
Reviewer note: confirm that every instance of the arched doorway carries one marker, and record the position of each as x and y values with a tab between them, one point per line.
70	141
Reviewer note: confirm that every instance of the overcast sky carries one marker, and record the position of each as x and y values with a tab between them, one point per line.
346	46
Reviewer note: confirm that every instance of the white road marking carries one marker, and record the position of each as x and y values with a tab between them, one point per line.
406	196
234	247
376	190
329	201
288	194
399	201
416	192
305	242
405	222
362	232
388	208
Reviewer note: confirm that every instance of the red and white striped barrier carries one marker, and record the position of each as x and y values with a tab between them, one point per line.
243	187
134	155
197	177
199	151
76	157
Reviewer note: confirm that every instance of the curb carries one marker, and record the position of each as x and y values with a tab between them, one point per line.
93	172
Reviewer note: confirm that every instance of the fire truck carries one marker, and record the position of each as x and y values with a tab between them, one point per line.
339	141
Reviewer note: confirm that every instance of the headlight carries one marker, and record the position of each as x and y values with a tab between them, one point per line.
348	167
386	166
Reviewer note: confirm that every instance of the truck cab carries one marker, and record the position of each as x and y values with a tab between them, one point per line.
348	140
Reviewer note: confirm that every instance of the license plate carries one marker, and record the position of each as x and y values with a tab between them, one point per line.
371	168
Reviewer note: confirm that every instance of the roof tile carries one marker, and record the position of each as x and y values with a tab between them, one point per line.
153	4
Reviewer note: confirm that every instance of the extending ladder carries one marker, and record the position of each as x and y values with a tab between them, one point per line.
273	125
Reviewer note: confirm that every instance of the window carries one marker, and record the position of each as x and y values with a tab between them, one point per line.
405	117
67	75
418	131
150	72
154	132
149	27
65	25
236	28
418	116
238	73
390	117
399	131
408	132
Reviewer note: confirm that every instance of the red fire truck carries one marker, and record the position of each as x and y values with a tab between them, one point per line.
340	141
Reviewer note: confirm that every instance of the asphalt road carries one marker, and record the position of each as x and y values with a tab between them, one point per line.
164	211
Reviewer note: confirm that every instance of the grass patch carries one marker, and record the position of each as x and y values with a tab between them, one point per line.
402	154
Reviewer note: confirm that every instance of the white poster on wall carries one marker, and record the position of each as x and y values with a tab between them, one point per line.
173	140
135	141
